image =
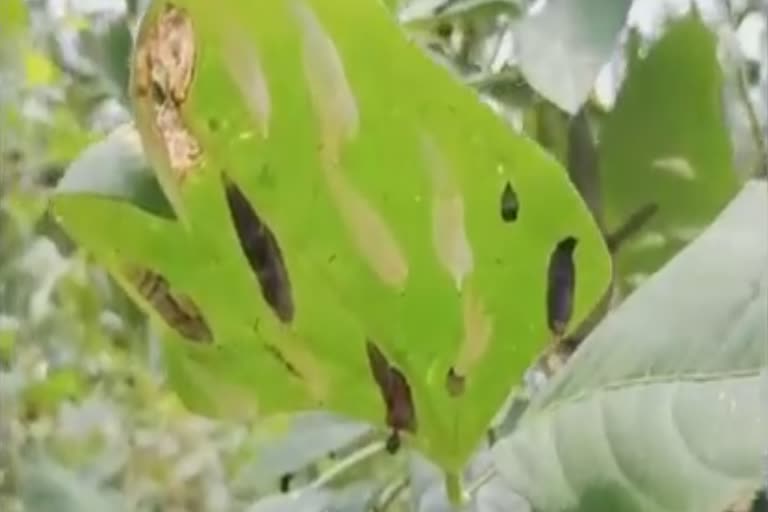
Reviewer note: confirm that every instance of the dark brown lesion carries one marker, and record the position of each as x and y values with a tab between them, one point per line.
262	251
401	414
178	310
455	383
561	283
510	205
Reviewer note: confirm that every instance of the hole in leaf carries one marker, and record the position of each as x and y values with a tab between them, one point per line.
509	204
178	311
396	392
454	383
561	282
262	251
285	482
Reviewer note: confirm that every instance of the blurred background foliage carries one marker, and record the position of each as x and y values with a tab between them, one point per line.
86	422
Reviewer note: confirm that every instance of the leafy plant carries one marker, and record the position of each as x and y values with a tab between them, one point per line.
315	213
402	219
656	403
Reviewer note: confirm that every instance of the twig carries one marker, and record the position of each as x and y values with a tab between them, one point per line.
390	493
631	227
743	89
344	464
480	482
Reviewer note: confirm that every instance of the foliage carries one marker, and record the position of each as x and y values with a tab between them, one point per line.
409	245
639	110
692	373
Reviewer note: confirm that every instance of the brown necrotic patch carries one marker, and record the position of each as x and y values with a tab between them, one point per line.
401	414
163	73
178	310
510	205
262	252
561	282
454	383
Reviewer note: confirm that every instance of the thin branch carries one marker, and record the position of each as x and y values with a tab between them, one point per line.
343	465
480	482
631	227
754	124
391	493
742	87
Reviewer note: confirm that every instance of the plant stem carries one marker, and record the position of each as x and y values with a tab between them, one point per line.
480	482
390	493
346	463
743	89
453	488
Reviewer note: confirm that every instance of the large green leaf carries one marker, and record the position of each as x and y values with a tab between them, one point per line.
386	212
666	144
660	410
563	47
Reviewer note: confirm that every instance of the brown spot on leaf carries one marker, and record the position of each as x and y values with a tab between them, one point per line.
262	251
509	204
561	282
454	383
178	310
163	70
396	393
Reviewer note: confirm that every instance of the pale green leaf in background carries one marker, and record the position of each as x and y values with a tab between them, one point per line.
661	409
563	47
666	143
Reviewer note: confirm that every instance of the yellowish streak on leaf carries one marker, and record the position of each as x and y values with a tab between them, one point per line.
449	234
371	234
478	329
332	96
244	64
337	112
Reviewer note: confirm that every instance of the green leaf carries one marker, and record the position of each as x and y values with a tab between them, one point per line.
116	167
563	47
659	409
13	17
666	144
383	210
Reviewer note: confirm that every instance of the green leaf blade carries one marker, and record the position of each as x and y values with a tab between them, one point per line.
660	409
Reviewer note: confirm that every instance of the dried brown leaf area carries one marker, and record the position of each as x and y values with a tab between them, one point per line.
178	310
164	68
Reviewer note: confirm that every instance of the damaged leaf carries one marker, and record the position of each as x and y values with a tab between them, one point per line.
396	393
